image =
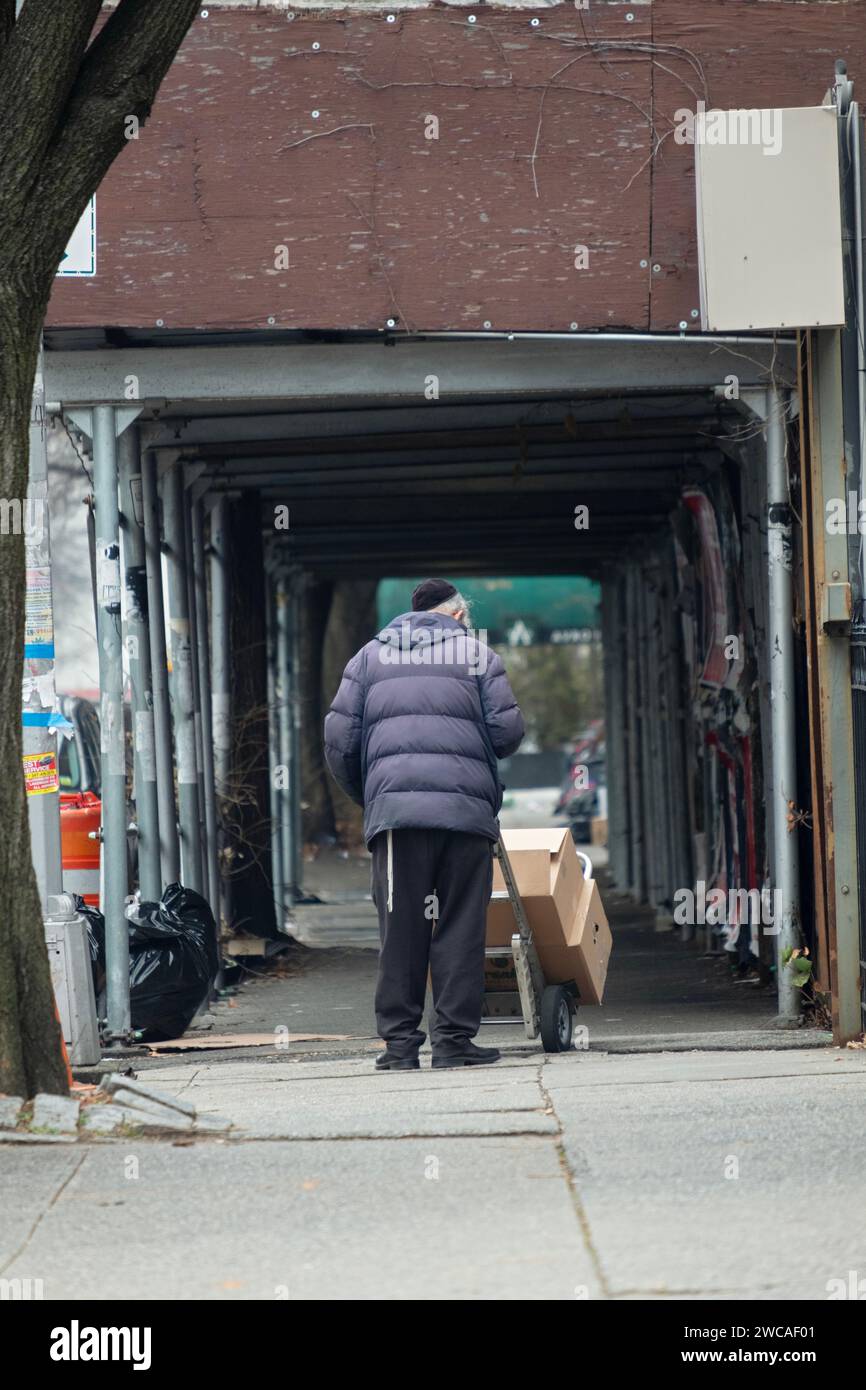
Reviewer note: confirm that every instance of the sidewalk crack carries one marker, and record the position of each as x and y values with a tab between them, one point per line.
16	1254
571	1183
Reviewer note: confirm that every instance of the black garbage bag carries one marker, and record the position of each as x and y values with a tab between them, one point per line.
95	923
172	961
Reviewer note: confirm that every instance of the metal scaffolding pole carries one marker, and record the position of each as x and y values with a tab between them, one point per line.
636	826
114	848
220	670
201	629
39	743
658	789
169	845
672	880
182	692
607	701
137	643
196	692
220	643
615	729
676	731
786	864
649	788
282	682
295	875
274	752
839	792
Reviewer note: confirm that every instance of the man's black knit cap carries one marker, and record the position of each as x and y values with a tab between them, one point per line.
430	593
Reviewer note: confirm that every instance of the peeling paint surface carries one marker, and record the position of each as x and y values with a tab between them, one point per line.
452	176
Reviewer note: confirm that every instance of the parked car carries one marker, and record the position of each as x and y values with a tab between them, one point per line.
79	759
583	750
583	806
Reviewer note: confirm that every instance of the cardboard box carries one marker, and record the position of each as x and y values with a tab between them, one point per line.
568	922
598	831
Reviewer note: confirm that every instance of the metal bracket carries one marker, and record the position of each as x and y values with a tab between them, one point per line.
836	609
82	418
754	404
124	416
192	471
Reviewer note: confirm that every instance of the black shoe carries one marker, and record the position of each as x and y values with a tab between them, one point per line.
467	1056
390	1061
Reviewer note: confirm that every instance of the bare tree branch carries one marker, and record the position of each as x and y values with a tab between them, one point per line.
38	67
118	77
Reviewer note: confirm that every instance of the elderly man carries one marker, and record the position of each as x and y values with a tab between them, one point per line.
422	714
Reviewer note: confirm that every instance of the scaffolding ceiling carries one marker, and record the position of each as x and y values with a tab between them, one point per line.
448	453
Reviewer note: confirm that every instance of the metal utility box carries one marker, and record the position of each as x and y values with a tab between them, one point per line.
769	219
69	957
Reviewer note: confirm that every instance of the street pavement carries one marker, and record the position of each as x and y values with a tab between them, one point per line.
586	1175
690	1149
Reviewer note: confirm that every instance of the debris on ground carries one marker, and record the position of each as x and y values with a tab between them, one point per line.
220	1041
120	1107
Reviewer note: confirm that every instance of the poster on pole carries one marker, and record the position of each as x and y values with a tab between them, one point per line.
40	774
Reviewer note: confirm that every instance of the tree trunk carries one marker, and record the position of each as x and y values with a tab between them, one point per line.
31	1057
351	623
316	786
57	146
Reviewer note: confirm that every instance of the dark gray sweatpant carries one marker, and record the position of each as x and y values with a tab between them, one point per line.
431	896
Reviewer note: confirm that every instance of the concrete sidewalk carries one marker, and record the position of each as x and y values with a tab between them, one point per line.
586	1175
662	994
694	1151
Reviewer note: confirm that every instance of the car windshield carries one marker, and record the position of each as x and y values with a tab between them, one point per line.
69	766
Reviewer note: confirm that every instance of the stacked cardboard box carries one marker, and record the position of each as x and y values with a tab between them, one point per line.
568	922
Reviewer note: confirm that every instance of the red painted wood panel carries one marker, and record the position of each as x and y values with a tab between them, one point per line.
380	221
544	145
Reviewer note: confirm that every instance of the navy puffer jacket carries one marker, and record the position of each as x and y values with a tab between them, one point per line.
422	713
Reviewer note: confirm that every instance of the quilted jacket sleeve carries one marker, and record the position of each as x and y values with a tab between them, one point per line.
343	724
501	711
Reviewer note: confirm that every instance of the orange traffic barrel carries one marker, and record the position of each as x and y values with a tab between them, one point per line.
80	814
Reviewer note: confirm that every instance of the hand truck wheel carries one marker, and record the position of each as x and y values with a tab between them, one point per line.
556	1019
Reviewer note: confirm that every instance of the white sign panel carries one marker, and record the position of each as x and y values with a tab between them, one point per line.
79	258
769	219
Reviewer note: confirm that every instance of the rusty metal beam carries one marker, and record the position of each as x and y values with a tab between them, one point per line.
835	793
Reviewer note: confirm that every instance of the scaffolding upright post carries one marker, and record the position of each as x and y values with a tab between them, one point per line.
137	641
189	568
201	630
112	738
274	742
635	819
786	863
169	845
182	689
296	598
220	675
282	686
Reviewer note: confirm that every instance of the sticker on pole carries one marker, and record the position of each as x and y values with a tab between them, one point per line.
79	258
38	614
40	774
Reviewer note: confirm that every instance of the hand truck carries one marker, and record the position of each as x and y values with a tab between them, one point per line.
546	1009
